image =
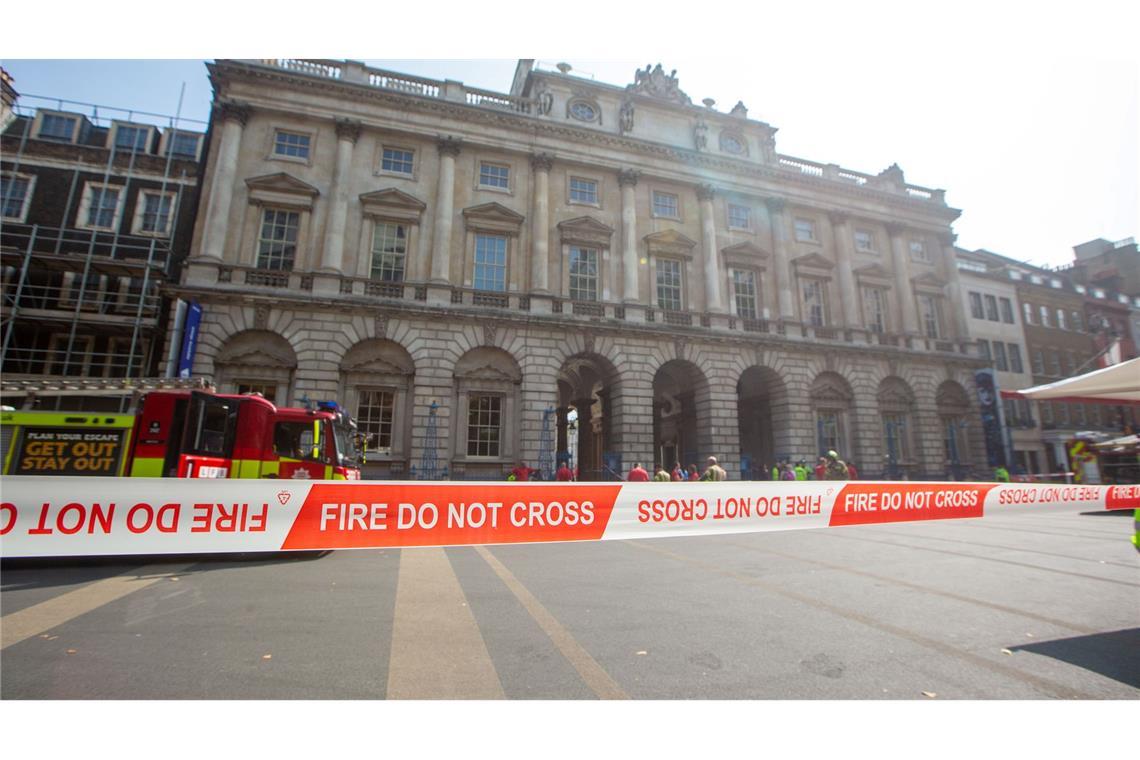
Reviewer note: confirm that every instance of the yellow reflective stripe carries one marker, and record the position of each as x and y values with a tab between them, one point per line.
147	467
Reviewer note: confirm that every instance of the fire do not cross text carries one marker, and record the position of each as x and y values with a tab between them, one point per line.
457	515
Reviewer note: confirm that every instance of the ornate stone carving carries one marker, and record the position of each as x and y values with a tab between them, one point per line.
705	192
348	129
542	162
380	325
588	343
655	83
628	177
679	346
489	334
449	146
545	101
775	205
230	109
261	317
739	110
625	117
701	135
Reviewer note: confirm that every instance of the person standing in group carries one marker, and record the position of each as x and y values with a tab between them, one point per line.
777	470
714	472
789	472
836	467
521	472
564	472
678	473
821	469
1001	474
801	470
852	473
693	474
638	474
661	476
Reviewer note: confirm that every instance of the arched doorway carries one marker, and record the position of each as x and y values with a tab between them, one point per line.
681	416
760	395
257	361
953	415
584	422
376	379
896	410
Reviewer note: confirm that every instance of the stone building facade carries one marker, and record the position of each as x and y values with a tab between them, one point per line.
462	268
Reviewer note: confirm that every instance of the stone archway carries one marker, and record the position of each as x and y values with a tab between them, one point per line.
953	405
681	428
897	411
488	403
587	383
761	411
257	361
376	387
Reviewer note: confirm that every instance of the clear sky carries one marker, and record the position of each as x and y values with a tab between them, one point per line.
1029	124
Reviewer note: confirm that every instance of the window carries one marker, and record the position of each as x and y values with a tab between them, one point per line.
1006	310
71	362
976	306
15	192
1027	312
829	430
120	360
991	309
739	217
389	251
984	349
494	175
999	357
294	440
291	145
153	212
484	425
1010	411
732	144
918	251
131	138
666	204
583	274
1025	413
1070	363
268	391
669	285
583	191
583	111
1078	413
895	438
1055	363
1038	362
1061	413
277	244
744	288
183	145
1015	275
805	230
931	323
1061	319
490	262
375	411
1015	364
397	161
1043	311
814	301
56	127
864	241
1076	322
100	209
875	309
1046	413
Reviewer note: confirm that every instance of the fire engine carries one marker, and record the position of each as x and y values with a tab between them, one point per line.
186	433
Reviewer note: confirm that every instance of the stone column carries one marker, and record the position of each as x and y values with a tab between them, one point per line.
444	210
540	224
843	254
900	260
705	194
954	286
347	133
782	268
627	179
233	117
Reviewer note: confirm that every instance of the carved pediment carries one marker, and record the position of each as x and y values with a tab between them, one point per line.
830	394
494	217
744	255
376	367
655	83
490	373
583	229
282	183
392	203
928	283
256	357
670	242
874	274
813	260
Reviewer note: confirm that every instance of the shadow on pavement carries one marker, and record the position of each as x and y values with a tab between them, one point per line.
1109	513
1115	654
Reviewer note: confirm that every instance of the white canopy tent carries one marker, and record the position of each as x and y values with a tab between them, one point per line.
1119	383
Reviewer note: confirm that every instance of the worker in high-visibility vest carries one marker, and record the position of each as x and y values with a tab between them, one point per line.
1136	529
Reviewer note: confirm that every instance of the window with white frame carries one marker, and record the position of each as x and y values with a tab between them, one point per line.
1061	413
1043	313
291	145
744	290
895	438
1078	325
15	195
999	357
583	190
1055	363
666	205
484	424
277	241
58	127
389	251
1046	409
490	262
1027	313
815	302
976	310
829	429
100	207
739	217
183	145
984	349
1015	364
1061	319
494	175
991	308
864	241
375	411
583	274
669	285
929	313
132	138
918	251
153	212
397	161
805	230
268	391
875	309
1038	362
1006	310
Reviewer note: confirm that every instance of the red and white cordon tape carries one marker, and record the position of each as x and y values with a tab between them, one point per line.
68	516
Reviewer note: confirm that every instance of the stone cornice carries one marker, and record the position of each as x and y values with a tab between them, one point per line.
534	126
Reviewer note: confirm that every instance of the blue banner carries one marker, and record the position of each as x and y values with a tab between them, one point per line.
991	423
189	339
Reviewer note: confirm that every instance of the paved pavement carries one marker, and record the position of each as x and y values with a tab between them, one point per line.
1041	605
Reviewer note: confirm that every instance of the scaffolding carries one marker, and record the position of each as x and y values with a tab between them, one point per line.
86	301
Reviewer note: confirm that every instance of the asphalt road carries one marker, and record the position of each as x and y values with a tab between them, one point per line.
1041	605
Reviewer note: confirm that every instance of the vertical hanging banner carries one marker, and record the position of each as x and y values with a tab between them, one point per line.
988	400
189	339
77	516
